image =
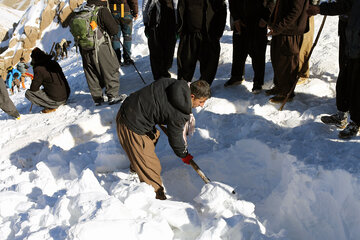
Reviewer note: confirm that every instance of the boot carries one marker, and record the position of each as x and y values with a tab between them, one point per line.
350	131
160	194
338	119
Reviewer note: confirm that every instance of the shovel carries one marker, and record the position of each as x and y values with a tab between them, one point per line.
194	165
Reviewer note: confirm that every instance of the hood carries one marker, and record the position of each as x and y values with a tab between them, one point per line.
179	96
38	57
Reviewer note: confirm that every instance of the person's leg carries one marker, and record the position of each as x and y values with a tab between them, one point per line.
109	70
305	49
140	150
355	90
156	52
257	53
238	61
5	102
92	74
209	59
187	55
41	99
116	40
126	24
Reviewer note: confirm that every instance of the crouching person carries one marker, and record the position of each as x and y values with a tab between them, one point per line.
164	102
47	73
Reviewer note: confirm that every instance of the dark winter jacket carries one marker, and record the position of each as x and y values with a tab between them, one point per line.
249	11
155	10
205	16
290	18
105	20
130	6
352	9
48	73
166	101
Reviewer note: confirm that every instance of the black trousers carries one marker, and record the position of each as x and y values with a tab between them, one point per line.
350	87
252	41
342	84
161	43
194	47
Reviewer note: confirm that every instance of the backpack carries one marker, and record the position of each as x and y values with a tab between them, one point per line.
84	28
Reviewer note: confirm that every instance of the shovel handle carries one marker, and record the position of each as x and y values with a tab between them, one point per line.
199	171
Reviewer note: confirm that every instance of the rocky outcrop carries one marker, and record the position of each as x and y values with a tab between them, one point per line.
55	10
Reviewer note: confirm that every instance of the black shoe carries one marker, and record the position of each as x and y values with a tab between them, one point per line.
272	91
256	90
127	62
233	82
338	119
115	100
98	101
160	194
351	130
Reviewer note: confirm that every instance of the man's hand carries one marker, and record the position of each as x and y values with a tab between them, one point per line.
187	159
238	24
313	10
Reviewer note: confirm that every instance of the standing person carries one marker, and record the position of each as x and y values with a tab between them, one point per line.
23	68
160	29
288	23
249	38
304	53
47	73
125	12
342	7
166	101
349	85
202	24
100	65
5	102
12	79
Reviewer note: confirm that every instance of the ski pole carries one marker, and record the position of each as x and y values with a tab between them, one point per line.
304	64
133	63
192	162
30	107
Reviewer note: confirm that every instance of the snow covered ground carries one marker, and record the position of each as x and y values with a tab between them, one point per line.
64	175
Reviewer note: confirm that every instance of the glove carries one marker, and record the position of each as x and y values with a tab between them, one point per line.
187	158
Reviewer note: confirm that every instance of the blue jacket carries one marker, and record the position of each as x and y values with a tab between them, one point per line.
10	77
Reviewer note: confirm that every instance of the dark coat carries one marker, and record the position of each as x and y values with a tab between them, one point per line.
249	11
205	16
130	6
49	74
105	20
166	101
291	17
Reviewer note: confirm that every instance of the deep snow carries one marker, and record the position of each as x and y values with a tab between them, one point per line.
64	175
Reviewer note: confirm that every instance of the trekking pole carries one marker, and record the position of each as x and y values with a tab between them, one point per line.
30	107
304	64
192	163
133	63
51	48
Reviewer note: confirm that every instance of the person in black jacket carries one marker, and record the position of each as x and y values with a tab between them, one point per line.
124	11
249	38
350	71
47	73
101	66
160	28
164	102
202	24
